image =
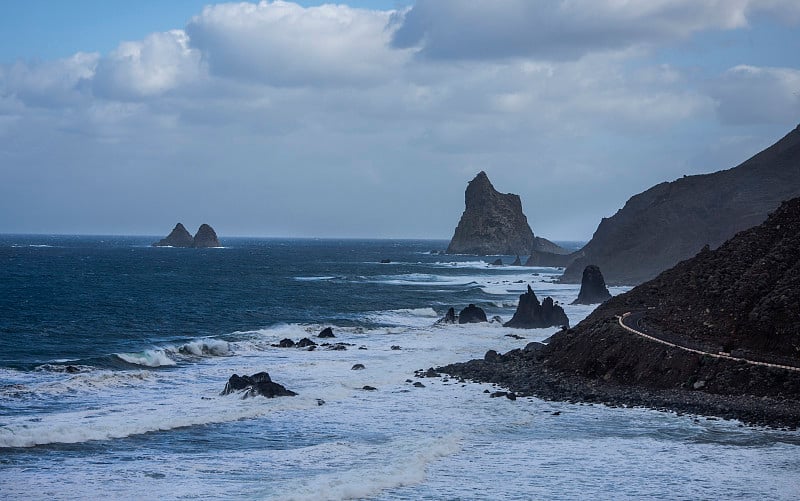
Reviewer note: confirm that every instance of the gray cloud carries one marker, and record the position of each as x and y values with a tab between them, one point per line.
752	95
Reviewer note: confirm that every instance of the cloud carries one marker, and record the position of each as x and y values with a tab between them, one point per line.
752	95
153	66
48	84
565	29
283	44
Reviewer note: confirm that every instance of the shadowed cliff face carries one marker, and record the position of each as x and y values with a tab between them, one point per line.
492	222
671	222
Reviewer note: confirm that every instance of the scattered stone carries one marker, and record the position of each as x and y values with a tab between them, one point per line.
320	401
514	336
511	395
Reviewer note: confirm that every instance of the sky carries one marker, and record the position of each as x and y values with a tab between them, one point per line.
366	119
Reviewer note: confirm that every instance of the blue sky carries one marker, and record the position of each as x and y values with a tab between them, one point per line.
367	119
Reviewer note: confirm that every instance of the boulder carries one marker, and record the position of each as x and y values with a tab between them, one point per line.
178	237
471	315
205	237
531	314
305	342
497	262
327	332
257	384
285	343
593	287
357	367
492	356
449	317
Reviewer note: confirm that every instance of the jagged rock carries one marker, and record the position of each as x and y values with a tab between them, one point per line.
284	343
531	314
305	342
205	237
593	287
670	222
327	332
471	314
492	222
449	317
178	237
257	384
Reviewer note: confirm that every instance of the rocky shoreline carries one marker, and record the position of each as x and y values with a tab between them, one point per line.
526	373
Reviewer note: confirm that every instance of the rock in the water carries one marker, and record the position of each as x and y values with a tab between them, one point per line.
593	287
531	314
357	367
386	261
305	342
492	222
471	315
449	317
326	332
368	388
419	385
285	343
497	262
257	384
178	237
205	237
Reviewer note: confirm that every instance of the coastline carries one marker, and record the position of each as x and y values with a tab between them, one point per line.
527	373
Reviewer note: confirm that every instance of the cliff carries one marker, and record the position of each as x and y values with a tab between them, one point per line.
493	223
672	221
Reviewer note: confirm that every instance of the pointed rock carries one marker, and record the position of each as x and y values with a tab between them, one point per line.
531	314
178	237
593	287
206	237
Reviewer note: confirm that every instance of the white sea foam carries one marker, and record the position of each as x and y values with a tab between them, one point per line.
148	358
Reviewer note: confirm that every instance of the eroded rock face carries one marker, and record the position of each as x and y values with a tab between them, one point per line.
593	287
206	237
492	222
178	237
531	314
671	222
257	384
471	315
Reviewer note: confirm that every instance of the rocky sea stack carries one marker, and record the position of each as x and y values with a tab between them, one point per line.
180	237
593	287
493	223
531	314
671	222
722	312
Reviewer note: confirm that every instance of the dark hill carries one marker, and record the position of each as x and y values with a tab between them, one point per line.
672	221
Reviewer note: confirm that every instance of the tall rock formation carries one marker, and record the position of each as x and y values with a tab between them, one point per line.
672	221
531	314
178	237
206	237
593	287
493	223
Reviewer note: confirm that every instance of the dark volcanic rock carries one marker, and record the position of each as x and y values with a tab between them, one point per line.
471	314
492	222
327	332
386	261
531	314
178	237
496	262
672	221
593	287
357	367
449	317
205	237
257	384
305	342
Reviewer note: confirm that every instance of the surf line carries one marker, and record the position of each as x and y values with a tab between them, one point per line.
638	315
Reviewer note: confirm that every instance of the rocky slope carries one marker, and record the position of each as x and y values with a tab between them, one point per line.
493	224
672	221
741	298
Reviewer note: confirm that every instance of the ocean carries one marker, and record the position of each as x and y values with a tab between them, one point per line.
113	355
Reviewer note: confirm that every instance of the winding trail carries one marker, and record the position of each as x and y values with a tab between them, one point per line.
631	322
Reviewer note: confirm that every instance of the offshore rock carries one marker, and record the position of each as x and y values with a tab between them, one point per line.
178	237
472	315
671	222
449	317
492	222
327	332
205	237
593	287
531	314
257	384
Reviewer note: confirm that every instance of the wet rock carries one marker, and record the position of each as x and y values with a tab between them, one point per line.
492	356
449	317
305	342
386	261
285	343
396	347
368	388
257	384
327	332
471	314
498	394
593	287
417	384
357	367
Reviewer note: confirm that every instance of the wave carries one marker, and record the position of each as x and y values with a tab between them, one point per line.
147	358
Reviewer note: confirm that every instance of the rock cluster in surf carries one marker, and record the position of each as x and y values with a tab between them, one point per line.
255	385
531	314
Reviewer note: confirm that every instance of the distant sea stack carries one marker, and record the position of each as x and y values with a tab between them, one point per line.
671	222
531	314
206	237
179	237
493	223
593	287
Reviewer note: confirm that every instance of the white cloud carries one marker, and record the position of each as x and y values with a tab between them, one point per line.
750	94
51	83
153	66
284	44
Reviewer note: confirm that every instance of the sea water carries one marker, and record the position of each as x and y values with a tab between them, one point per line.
154	334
